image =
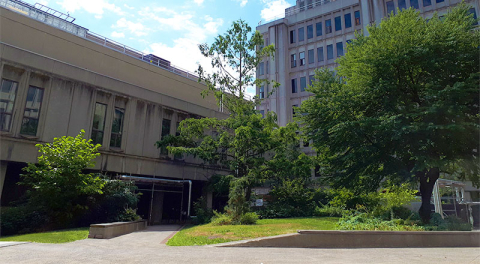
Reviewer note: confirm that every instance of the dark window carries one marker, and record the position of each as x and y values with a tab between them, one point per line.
348	20
301	57
427	3
357	18
117	128
294	85
328	26
293	38
319	28
8	92
338	23
98	126
262	112
261	93
310	32
339	49
402	4
303	83
439	1
390	7
293	110
329	52
32	111
261	67
165	131
311	56
309	4
320	54
414	4
472	11
301	34
310	79
293	60
306	143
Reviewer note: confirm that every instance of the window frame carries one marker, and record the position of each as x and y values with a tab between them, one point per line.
338	23
310	31
301	34
301	60
303	83
293	60
347	21
117	136
96	130
294	87
320	55
340	44
22	127
2	114
330	49
311	59
328	26
319	28
359	21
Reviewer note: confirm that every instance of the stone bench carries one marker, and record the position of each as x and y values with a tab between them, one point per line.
109	230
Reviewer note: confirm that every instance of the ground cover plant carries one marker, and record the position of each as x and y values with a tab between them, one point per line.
213	234
55	237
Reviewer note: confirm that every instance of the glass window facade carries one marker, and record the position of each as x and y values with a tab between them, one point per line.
293	60
414	4
318	28
402	4
357	18
348	20
328	26
301	57
117	128
166	123
338	23
98	126
427	3
311	56
261	93
294	86
293	37
329	52
339	49
31	115
309	31
303	83
8	93
301	34
320	54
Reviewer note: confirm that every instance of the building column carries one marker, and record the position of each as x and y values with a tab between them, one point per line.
3	172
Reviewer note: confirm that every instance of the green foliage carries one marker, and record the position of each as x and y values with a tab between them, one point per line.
351	200
395	197
58	183
221	219
450	223
329	211
249	218
22	219
365	221
403	105
203	213
58	236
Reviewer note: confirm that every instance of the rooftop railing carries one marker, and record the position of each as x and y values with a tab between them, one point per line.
297	9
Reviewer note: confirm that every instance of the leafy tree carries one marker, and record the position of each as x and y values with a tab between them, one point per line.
58	181
403	105
244	141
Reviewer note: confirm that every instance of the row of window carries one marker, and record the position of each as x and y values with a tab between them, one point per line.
303	83
320	55
402	4
328	27
31	113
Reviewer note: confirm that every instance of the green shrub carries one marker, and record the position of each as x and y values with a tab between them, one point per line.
364	221
22	219
450	223
249	218
221	219
203	214
329	211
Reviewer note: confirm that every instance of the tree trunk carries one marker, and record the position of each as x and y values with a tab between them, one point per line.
427	182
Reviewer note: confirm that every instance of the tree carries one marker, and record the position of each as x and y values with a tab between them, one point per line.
58	182
403	105
244	141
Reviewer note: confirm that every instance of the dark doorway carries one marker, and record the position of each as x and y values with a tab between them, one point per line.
172	207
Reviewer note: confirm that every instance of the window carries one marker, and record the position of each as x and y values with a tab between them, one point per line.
320	54
262	112
303	84
338	23
301	56
8	92
318	26
310	32
414	4
293	109
357	18
117	128
32	111
390	7
328	26
329	52
294	85
348	20
261	93
427	3
302	6
165	131
293	38
301	34
311	78
309	4
339	49
440	1
402	4
98	126
472	11
293	60
261	67
311	56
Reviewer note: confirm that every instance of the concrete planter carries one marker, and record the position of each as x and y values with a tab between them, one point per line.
109	230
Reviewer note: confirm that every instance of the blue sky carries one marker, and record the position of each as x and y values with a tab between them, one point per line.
169	29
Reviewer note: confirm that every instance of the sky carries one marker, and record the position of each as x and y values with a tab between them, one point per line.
169	29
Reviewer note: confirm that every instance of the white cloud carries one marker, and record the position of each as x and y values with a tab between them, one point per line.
242	2
116	34
273	9
135	28
198	2
128	7
95	7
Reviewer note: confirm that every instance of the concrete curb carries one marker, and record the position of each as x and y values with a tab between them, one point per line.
171	235
11	244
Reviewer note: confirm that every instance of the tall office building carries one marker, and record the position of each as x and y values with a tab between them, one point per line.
313	34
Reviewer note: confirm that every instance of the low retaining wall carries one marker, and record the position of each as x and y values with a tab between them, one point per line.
109	230
365	239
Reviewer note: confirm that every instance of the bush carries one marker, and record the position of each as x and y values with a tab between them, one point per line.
22	219
329	211
203	214
221	219
249	218
450	223
365	221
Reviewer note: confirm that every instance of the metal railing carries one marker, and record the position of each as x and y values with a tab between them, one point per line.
297	9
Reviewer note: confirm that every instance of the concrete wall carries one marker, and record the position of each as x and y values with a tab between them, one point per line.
110	230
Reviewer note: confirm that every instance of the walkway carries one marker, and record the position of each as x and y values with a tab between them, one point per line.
146	247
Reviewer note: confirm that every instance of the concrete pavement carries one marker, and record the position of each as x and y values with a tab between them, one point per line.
146	247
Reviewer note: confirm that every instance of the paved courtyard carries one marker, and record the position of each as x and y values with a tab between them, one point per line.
147	247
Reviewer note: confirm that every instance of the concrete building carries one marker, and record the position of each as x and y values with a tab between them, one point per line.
313	34
58	78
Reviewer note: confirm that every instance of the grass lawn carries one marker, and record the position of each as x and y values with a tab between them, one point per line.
59	236
209	234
